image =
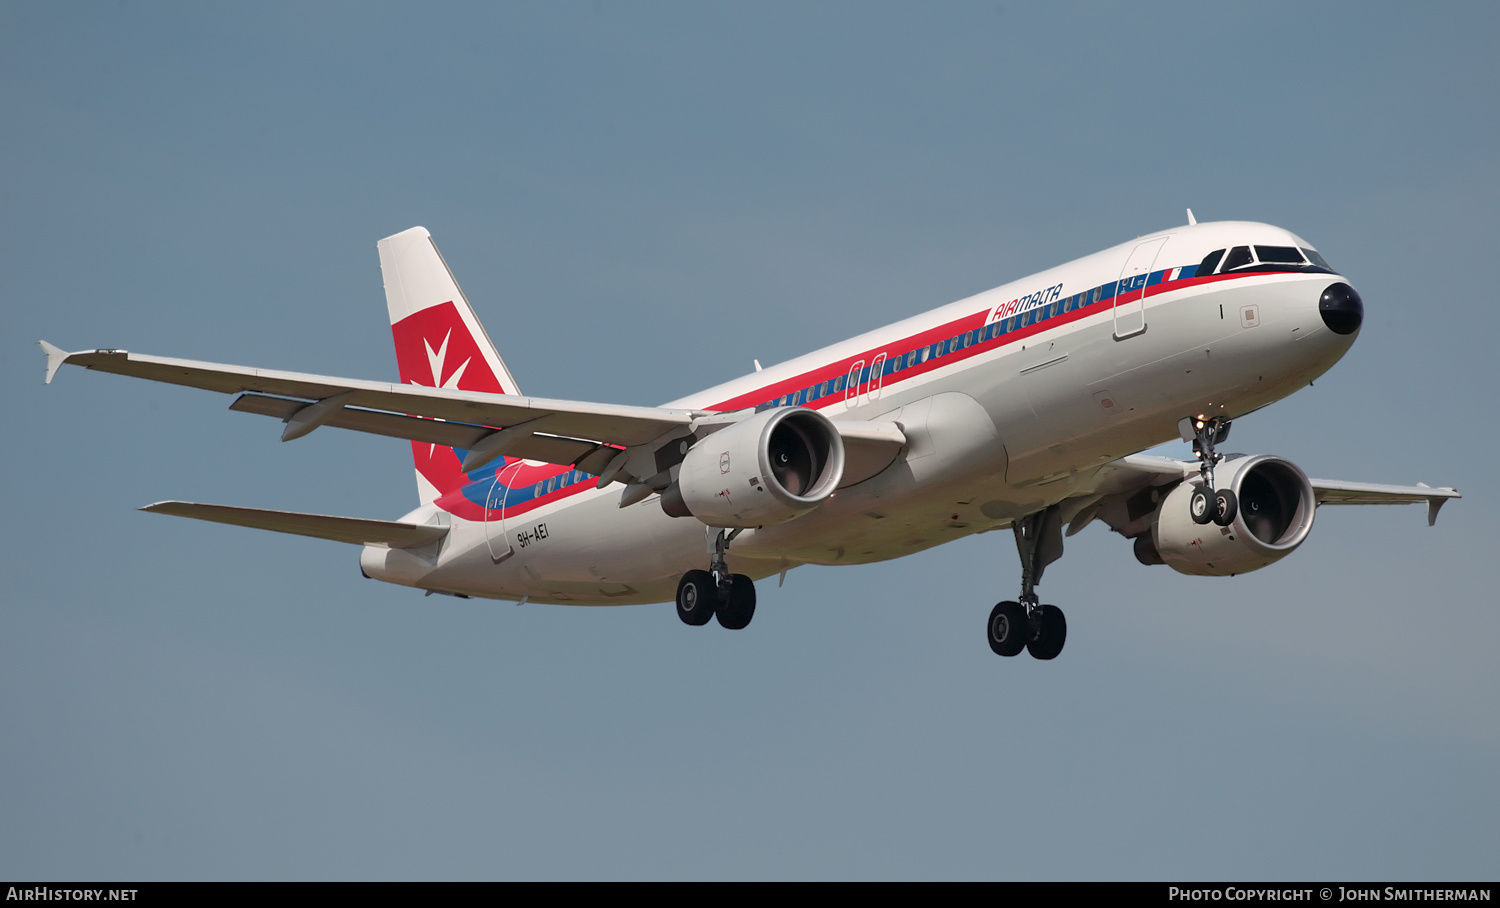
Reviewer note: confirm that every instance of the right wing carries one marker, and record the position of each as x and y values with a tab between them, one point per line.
1338	491
1125	492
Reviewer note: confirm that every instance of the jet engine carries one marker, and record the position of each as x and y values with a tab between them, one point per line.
1276	507
767	469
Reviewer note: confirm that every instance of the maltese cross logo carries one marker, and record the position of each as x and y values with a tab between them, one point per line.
437	359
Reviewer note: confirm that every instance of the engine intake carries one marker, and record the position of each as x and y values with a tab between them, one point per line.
766	469
1276	506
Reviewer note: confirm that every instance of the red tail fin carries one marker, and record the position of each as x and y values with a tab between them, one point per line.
439	342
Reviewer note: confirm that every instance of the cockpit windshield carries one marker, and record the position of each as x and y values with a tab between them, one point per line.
1249	259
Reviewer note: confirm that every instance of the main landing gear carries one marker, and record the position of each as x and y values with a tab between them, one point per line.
1028	624
1208	504
716	593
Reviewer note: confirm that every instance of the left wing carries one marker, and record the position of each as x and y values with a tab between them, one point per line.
591	437
587	435
617	424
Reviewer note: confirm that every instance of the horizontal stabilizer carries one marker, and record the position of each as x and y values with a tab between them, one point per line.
321	526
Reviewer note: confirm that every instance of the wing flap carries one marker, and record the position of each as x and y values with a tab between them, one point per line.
392	425
354	530
543	447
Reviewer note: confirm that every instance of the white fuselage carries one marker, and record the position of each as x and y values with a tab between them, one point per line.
998	425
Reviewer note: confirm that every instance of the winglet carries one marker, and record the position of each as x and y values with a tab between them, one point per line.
1433	506
56	356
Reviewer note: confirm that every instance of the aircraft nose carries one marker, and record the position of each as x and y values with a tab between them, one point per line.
1342	309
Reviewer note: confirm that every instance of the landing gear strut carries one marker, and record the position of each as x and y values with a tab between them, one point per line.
1207	503
1028	624
716	593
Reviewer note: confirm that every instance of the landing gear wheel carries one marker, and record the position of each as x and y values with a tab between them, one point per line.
1201	506
1008	628
1226	506
736	610
696	593
1052	632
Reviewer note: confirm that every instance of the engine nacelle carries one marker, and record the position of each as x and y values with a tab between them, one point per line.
764	470
1276	507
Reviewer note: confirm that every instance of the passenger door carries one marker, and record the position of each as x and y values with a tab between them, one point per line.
1130	292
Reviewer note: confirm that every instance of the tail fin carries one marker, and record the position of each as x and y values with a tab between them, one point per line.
439	342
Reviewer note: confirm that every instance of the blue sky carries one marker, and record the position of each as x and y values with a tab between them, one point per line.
640	199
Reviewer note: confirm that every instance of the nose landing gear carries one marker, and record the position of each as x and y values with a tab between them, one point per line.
716	593
1209	505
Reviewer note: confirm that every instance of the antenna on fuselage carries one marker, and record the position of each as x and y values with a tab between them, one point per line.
1191	220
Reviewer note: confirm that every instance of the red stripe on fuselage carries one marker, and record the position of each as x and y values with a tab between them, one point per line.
456	504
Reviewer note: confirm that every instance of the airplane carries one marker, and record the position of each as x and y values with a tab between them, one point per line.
1024	407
